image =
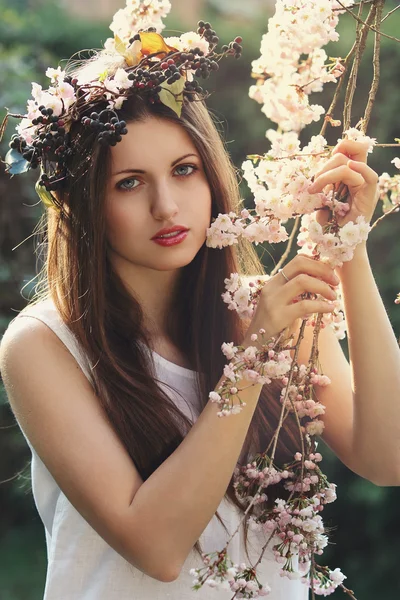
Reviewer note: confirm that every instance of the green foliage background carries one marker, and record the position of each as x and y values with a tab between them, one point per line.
36	34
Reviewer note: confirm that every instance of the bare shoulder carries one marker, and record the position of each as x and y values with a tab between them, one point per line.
21	337
61	416
29	345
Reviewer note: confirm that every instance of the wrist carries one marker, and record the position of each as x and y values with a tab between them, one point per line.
359	259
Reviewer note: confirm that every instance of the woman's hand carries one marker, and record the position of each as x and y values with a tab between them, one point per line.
348	165
278	308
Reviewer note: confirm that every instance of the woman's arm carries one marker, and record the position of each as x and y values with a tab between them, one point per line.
152	524
375	367
362	421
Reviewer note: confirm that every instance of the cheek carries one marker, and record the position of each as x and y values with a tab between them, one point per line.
121	224
205	206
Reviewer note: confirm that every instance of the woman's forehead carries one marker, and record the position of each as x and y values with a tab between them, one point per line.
150	142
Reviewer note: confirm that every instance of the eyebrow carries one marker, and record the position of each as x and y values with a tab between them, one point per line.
141	171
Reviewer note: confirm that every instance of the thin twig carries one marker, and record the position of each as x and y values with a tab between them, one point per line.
263	550
288	247
390	12
361	39
355	5
289	383
343	587
376	65
390	37
392	210
338	89
332	106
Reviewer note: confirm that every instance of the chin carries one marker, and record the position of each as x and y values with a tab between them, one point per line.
171	264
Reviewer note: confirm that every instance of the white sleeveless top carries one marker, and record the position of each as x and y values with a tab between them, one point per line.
82	566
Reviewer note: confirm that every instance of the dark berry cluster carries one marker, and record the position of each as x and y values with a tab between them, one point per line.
235	48
207	32
110	131
50	143
146	81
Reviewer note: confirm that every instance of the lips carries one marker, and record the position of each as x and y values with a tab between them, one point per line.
168	230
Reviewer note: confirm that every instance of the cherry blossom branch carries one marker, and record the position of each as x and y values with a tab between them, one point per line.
376	66
346	590
276	434
296	355
390	37
395	208
390	12
263	551
274	206
284	256
338	89
276	158
355	5
361	41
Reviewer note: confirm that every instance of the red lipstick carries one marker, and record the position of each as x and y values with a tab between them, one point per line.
170	236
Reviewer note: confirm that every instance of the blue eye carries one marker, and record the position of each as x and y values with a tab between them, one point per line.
186	167
126	184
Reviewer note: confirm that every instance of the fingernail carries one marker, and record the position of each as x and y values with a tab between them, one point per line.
311	188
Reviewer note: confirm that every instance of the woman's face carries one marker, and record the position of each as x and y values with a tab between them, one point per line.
157	181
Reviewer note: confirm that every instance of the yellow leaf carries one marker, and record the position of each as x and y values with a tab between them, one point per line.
172	95
153	43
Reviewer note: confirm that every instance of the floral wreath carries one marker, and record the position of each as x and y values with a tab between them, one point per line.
158	69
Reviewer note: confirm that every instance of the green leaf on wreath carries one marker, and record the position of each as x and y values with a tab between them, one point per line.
15	162
172	95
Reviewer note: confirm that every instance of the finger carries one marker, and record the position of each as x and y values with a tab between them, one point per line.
353	150
369	175
335	161
303	309
342	174
304	264
306	283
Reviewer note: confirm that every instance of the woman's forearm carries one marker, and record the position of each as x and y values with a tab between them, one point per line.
375	365
174	505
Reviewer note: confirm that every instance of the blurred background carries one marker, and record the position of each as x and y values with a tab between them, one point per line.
35	34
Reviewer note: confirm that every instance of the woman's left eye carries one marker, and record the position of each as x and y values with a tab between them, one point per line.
184	168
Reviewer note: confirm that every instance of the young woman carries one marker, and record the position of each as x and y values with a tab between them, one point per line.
108	372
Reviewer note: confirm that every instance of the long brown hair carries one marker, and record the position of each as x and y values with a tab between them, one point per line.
108	322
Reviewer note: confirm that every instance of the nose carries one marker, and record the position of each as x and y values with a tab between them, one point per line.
163	205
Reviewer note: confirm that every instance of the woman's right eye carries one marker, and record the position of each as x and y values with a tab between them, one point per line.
127	184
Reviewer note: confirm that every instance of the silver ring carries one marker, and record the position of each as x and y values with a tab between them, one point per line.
283	273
